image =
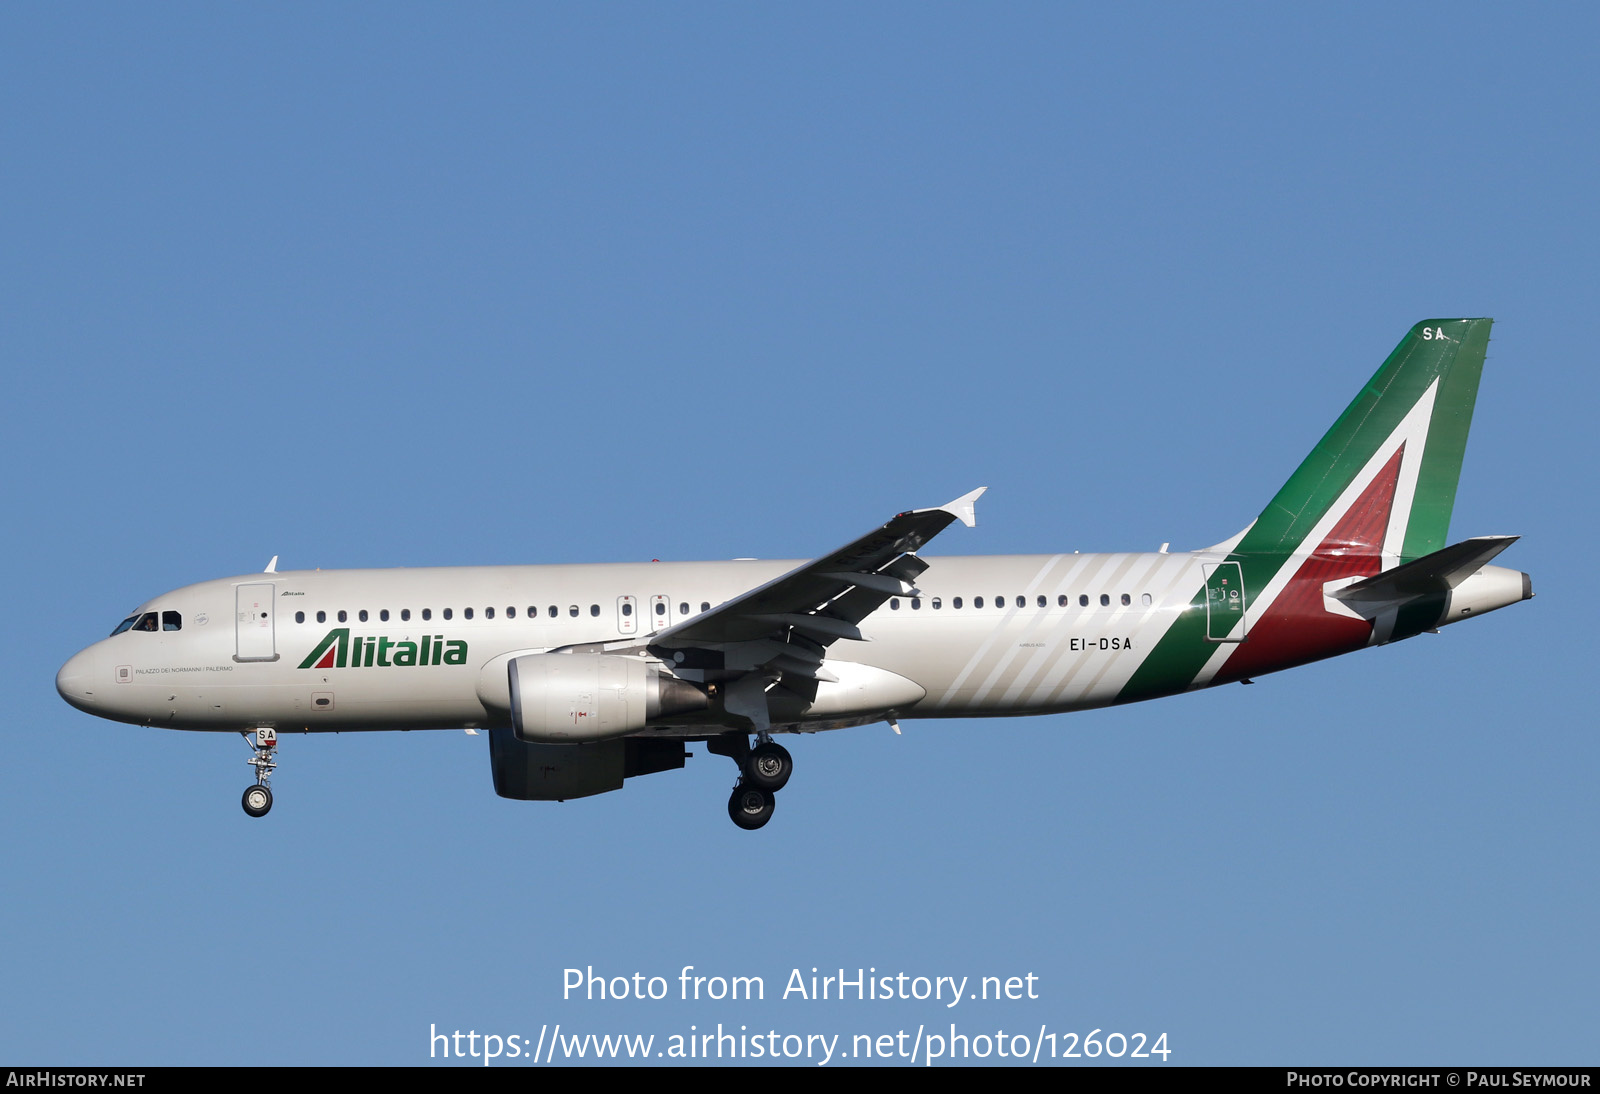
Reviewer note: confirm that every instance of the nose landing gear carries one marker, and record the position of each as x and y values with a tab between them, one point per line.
257	800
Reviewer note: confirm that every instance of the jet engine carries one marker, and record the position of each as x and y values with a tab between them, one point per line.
569	698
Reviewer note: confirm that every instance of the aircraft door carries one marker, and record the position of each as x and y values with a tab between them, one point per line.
627	615
660	613
253	630
1225	606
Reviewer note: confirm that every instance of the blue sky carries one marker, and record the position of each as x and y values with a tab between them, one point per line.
515	283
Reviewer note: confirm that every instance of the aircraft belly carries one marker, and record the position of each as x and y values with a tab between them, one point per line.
290	707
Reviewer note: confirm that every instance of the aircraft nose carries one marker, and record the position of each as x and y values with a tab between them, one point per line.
76	681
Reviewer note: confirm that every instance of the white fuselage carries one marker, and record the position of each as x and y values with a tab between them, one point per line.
428	648
989	636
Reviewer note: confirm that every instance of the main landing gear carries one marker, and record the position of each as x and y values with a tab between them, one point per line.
763	771
257	800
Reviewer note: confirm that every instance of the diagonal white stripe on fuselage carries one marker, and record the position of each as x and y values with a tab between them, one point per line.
1065	684
1132	574
1080	564
1003	628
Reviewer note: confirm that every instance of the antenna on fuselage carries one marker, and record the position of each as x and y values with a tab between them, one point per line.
272	567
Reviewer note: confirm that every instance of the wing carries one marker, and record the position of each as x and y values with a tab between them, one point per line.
778	633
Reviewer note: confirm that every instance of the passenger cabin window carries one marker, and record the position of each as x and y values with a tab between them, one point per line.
683	609
1083	600
661	607
322	617
956	603
554	611
1145	600
405	615
594	609
488	613
1043	602
1105	600
449	613
299	617
705	605
1061	601
383	616
427	613
977	602
466	613
936	604
1126	600
573	611
343	618
362	615
894	604
627	609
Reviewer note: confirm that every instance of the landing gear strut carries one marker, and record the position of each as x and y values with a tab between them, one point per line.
257	800
763	771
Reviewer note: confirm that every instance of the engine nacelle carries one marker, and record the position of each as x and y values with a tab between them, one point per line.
568	698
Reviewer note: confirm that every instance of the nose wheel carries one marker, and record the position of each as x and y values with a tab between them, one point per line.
257	799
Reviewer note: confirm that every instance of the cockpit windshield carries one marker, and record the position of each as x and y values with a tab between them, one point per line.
151	621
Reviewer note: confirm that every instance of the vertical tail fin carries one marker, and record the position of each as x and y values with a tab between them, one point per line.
1386	472
1376	491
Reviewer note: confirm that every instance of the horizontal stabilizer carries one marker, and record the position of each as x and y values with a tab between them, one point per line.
1438	572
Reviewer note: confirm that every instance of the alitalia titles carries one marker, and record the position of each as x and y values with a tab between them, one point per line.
338	650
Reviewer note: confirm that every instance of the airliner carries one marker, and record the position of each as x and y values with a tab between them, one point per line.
584	676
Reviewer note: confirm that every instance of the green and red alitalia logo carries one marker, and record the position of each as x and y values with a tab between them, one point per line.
339	651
